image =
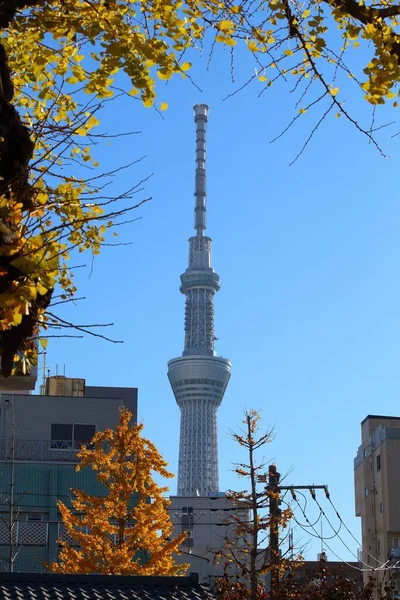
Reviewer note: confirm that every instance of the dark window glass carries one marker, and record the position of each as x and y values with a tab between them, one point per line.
378	462
185	522
83	433
61	432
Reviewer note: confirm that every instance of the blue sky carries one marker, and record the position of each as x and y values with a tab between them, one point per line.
308	257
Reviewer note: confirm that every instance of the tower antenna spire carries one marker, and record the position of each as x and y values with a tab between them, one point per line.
199	378
200	191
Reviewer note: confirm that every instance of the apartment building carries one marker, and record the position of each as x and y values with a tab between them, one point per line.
40	436
377	497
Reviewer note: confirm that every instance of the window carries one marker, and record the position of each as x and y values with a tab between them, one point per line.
187	510
187	525
188	542
396	542
379	546
365	452
61	433
381	507
83	433
378	462
34	517
366	492
67	436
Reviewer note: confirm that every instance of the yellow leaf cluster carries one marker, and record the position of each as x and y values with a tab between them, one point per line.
61	51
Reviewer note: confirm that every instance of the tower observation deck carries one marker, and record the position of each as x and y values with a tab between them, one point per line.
199	378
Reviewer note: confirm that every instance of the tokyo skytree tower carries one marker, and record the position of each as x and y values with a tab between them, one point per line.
199	378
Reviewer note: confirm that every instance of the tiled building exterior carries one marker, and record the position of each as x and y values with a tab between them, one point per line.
48	433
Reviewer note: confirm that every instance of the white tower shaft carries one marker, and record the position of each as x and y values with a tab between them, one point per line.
199	378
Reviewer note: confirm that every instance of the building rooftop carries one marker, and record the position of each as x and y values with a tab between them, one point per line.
38	586
383	417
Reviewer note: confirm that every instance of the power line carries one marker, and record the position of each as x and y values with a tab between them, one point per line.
319	536
311	525
348	530
369	569
333	529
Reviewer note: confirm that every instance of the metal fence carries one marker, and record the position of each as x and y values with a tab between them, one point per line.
40	450
26	533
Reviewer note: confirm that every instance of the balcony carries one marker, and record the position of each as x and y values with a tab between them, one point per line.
25	533
40	450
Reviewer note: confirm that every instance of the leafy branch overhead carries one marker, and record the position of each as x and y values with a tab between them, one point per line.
59	60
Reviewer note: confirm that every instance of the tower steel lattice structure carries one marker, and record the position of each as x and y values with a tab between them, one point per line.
199	378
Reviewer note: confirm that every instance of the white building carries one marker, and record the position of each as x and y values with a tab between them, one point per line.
204	519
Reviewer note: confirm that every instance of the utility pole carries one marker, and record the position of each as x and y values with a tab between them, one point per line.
274	514
274	490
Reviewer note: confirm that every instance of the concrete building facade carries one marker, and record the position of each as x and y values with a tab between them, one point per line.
48	432
204	519
377	496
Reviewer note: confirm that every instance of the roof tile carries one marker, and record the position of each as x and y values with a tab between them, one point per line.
50	586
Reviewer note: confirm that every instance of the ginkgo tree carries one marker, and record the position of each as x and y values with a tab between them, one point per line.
61	61
128	529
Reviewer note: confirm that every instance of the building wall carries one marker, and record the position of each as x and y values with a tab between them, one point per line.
34	415
127	395
208	531
37	489
44	474
377	491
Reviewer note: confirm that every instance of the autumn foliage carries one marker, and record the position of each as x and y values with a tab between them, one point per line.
128	530
61	61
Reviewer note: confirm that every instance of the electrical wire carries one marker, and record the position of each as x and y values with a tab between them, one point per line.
309	524
319	536
314	497
369	569
348	530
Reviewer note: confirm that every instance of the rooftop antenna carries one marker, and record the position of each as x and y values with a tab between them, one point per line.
44	368
42	389
291	545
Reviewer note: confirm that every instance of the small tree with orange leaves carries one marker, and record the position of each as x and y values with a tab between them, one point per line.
128	530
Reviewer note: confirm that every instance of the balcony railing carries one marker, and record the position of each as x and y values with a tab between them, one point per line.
25	533
64	537
40	450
